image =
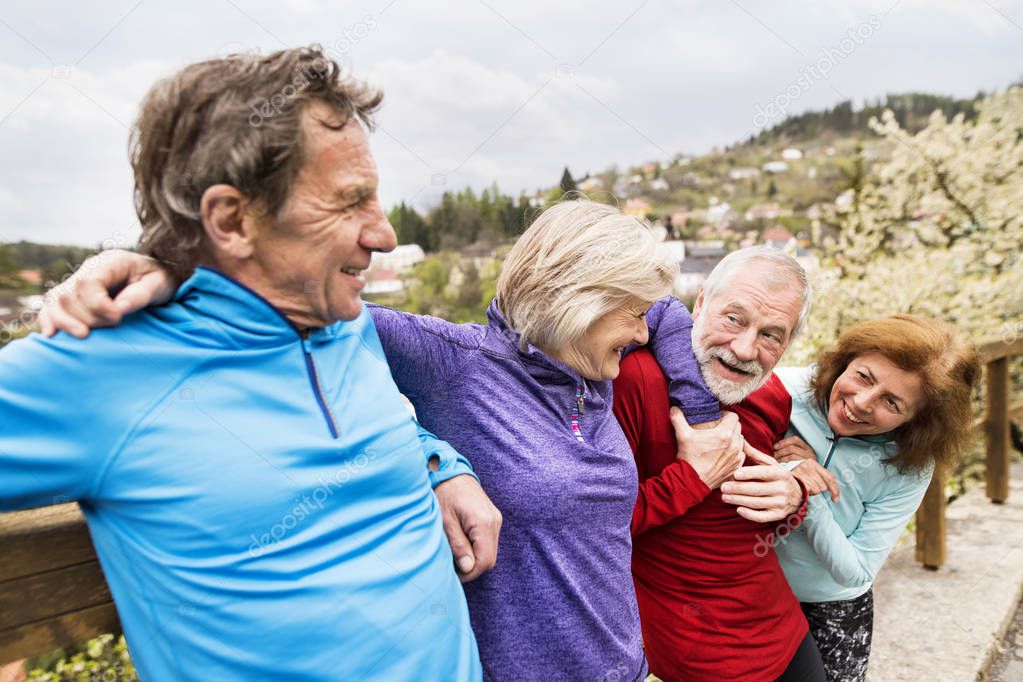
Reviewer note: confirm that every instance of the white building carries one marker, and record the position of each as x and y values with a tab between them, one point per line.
401	260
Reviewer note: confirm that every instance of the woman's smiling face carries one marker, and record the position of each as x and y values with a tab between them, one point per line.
597	355
873	396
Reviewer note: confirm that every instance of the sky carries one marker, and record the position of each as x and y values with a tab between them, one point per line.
476	91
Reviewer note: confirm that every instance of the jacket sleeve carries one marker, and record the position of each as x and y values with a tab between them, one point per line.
450	462
425	354
854	560
55	423
671	342
677	488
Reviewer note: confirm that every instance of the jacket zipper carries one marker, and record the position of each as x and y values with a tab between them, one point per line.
314	381
577	411
831	450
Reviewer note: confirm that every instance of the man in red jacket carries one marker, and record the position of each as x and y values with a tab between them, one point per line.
713	601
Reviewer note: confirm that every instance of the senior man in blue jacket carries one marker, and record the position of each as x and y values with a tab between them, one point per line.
258	494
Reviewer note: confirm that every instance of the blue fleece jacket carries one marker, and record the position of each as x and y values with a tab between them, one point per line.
259	501
840	547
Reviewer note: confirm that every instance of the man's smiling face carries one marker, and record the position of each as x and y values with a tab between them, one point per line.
742	331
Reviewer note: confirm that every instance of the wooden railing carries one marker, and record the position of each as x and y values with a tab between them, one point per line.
931	546
52	591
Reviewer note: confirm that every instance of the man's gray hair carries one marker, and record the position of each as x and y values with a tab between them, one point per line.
235	120
784	268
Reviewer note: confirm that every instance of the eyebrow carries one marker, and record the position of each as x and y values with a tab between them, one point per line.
777	328
894	396
353	193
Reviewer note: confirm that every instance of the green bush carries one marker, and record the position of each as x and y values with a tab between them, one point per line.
103	659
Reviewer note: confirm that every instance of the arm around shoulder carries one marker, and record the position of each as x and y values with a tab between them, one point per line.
424	353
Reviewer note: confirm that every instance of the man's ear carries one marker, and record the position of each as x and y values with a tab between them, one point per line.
698	303
229	226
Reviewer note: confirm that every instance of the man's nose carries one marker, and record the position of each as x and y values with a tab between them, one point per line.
377	233
745	345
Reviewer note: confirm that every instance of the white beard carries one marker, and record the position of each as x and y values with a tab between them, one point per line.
728	392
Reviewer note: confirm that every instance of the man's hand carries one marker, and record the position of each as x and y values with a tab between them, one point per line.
792	448
472	524
765	492
86	300
714	452
816	478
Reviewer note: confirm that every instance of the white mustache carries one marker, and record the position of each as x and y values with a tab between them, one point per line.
729	357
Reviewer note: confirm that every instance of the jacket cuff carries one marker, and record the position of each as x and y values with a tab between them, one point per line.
702	412
451	463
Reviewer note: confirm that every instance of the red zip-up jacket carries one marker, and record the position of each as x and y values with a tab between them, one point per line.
713	601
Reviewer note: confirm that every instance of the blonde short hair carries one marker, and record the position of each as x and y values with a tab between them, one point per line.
577	262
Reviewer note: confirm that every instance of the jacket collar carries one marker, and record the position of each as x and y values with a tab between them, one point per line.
229	313
540	365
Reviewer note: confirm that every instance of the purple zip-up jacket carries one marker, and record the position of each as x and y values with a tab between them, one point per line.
560	602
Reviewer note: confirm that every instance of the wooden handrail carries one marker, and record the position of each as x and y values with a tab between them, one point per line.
52	590
931	545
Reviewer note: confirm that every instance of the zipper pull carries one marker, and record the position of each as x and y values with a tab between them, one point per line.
579	400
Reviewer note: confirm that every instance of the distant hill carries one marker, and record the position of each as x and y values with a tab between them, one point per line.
53	261
911	110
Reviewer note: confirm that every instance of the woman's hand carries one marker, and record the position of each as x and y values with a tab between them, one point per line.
715	452
86	300
792	448
816	478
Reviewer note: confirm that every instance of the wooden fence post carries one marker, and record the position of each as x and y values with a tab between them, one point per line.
930	524
997	430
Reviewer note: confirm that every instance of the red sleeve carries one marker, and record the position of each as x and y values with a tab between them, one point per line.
641	405
668	495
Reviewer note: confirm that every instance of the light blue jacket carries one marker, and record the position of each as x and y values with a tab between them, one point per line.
840	547
260	501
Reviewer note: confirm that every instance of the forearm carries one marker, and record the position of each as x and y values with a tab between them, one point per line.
667	496
425	354
671	343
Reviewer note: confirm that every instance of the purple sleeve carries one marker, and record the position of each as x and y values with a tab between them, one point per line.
671	343
425	354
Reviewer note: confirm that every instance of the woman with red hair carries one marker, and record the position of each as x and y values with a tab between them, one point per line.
881	409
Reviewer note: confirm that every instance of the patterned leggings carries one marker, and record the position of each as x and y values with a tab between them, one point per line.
842	630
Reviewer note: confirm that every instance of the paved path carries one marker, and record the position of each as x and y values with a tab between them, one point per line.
1008	664
945	625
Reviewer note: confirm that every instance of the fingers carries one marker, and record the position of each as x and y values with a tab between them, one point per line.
758	457
484	548
814	483
756	501
138	295
831	483
761	515
461	547
53	317
753	488
92	297
678	420
789	452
